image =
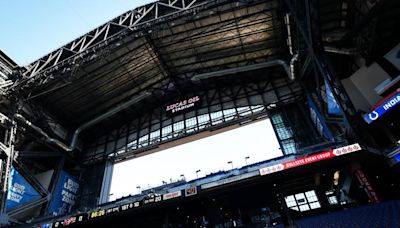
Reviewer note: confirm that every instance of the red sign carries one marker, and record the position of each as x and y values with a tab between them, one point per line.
369	189
310	159
191	191
172	195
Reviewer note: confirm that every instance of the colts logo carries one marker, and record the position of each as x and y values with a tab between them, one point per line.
373	115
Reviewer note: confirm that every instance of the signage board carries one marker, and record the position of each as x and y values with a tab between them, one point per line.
112	210
130	206
368	188
228	180
388	103
20	191
182	105
64	196
191	191
333	106
310	159
318	120
172	195
97	214
152	200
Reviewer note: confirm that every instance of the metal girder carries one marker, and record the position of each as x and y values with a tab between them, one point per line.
315	51
242	101
32	204
366	11
130	22
145	14
31	178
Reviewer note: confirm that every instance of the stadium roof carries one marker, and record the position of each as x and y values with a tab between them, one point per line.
162	46
157	47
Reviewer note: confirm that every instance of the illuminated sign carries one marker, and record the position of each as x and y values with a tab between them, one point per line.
318	120
191	191
397	158
310	159
388	103
182	105
228	180
96	214
112	210
172	195
153	200
333	106
128	206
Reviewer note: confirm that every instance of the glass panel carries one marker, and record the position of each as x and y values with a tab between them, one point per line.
304	207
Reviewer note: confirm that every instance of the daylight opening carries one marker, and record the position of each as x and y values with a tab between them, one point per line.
231	149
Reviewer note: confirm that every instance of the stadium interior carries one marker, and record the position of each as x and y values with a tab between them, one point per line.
326	73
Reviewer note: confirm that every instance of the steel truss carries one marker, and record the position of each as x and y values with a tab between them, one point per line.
305	15
221	107
131	22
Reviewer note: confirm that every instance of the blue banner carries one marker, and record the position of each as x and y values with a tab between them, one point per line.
19	190
65	194
333	106
319	121
390	103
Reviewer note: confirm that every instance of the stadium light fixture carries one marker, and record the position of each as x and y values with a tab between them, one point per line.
246	158
230	162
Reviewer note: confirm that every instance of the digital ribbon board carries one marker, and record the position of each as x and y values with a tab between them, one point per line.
189	191
384	106
310	159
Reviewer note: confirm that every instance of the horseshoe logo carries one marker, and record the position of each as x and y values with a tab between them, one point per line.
373	115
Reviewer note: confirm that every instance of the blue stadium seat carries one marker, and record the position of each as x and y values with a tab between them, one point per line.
386	214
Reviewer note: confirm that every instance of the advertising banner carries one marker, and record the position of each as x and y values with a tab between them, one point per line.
310	159
191	191
64	197
368	188
172	195
318	120
333	106
384	106
20	191
228	180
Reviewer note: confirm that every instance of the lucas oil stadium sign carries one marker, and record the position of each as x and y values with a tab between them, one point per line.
390	102
182	105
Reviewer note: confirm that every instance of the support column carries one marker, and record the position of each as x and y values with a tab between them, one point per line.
106	185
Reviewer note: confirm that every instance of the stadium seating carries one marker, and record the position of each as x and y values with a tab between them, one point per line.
386	214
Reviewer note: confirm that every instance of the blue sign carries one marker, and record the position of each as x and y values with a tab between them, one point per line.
319	121
333	106
19	190
390	103
397	158
64	196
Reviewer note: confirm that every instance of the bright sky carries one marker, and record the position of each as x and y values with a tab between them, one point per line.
31	29
211	154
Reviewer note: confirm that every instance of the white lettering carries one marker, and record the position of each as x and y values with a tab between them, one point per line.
182	104
71	185
68	197
392	102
